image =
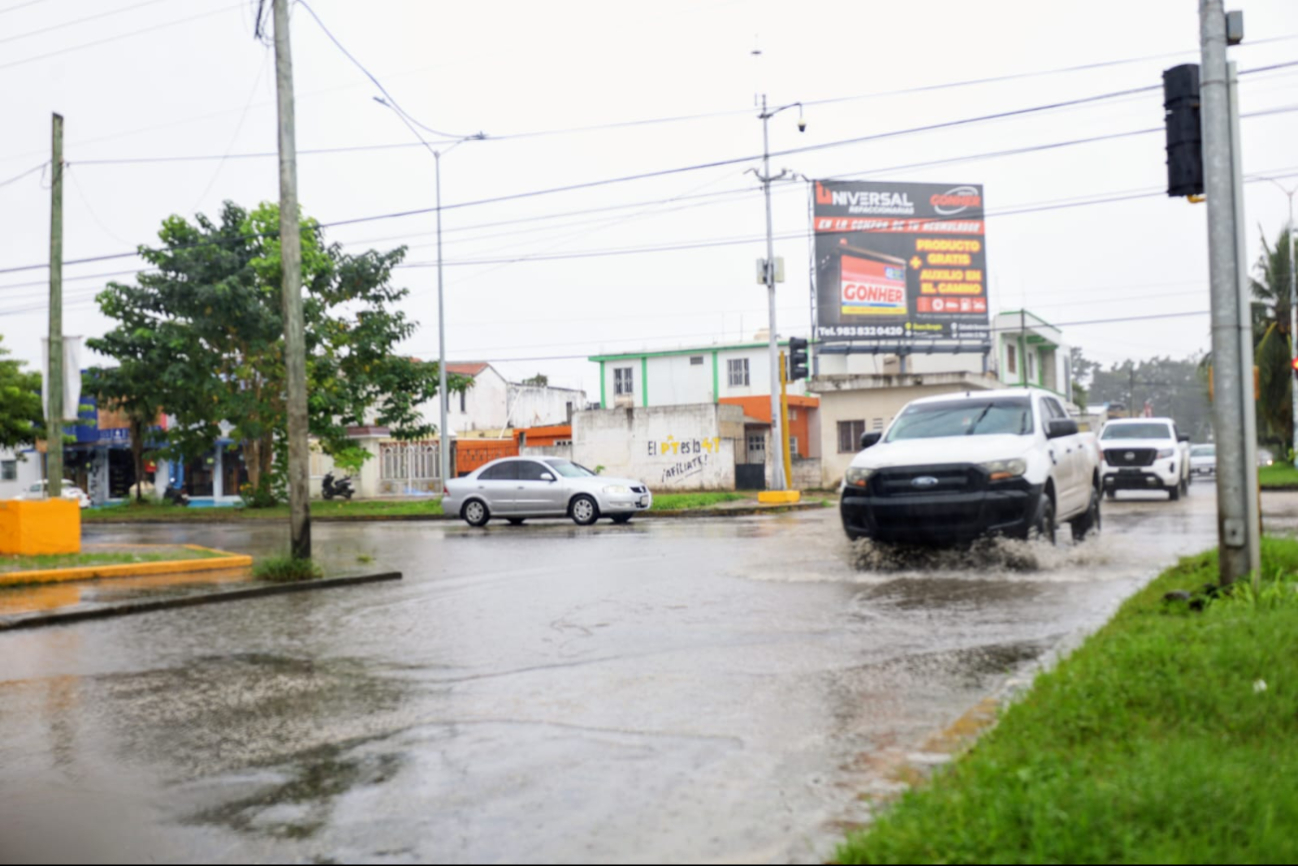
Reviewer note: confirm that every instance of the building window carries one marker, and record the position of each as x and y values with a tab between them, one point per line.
738	368
8	470
756	446
793	414
878	425
849	436
623	384
1032	366
696	360
1011	360
462	399
793	446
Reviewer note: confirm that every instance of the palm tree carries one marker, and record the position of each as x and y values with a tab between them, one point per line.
1273	345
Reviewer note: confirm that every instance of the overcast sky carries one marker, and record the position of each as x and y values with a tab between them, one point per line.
151	79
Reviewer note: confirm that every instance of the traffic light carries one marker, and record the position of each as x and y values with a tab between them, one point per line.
797	359
1184	136
1293	365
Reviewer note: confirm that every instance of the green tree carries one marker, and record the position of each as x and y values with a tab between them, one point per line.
1273	342
1176	389
21	410
540	380
204	331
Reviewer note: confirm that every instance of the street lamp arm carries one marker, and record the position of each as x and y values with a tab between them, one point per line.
766	115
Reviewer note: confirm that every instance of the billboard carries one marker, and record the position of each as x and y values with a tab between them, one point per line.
900	261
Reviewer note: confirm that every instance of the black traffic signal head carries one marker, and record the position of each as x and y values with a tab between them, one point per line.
1184	137
797	359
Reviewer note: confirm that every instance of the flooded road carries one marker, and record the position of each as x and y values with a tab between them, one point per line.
672	690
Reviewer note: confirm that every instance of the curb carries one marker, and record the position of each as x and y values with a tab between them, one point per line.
1281	488
42	620
433	518
135	569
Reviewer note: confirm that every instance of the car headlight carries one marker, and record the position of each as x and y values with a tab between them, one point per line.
617	489
1166	452
858	476
1003	470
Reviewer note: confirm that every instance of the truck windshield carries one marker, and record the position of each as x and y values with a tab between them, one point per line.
1137	431
1001	416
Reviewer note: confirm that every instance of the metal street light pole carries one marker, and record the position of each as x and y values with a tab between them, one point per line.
777	434
443	450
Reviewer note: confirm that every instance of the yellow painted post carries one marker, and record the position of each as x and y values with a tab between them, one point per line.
784	421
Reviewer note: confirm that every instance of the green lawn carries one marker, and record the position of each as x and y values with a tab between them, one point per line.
1171	736
151	512
685	501
1278	475
11	564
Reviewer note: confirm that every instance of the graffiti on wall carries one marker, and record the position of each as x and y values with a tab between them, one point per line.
702	451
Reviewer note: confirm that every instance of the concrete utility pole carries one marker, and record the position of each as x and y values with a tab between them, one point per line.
54	383
290	237
777	438
1232	341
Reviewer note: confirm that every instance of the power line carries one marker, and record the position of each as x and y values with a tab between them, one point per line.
19	177
76	21
15	8
108	39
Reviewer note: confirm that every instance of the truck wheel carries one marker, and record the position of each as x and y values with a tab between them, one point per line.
1090	521
1044	529
1174	492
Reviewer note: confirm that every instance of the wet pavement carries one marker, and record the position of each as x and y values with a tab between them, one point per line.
720	689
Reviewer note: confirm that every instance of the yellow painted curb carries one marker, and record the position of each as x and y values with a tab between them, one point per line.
779	497
134	569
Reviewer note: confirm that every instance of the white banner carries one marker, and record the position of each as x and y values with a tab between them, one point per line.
71	377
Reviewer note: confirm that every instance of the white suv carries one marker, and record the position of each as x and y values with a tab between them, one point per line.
72	492
1145	454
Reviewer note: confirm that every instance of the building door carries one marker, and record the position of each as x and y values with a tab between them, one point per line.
751	474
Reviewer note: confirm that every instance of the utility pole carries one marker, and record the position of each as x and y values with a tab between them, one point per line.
54	382
1239	552
290	237
779	481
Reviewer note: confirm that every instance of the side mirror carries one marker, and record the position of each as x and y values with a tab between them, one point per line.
546	476
1184	437
1058	427
869	439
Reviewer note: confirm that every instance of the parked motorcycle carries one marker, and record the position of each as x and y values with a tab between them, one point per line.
341	488
176	496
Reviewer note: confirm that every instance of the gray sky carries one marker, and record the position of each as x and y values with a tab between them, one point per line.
204	87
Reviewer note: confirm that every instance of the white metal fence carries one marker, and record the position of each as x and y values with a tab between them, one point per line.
410	467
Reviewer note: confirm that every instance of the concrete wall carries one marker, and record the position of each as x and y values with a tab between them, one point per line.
666	447
537	406
807	474
484	405
366	483
876	400
564	451
26	469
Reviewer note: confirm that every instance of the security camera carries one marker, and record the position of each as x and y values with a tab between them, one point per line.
802	125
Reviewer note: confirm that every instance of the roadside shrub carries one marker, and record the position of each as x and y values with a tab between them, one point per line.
287	569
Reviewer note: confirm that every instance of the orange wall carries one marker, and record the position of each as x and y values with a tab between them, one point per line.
760	408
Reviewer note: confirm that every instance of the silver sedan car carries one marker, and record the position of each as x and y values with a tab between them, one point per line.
516	488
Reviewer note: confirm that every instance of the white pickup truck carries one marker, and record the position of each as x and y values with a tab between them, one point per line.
1145	454
953	468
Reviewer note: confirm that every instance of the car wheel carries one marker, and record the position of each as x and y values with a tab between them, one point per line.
516	521
584	511
1174	492
1045	528
622	519
1089	522
475	512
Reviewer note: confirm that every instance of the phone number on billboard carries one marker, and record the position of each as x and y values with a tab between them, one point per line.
860	331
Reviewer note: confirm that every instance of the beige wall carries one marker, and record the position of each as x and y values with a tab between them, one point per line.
876	406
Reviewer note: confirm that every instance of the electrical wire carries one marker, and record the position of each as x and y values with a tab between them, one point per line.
76	21
18	6
30	171
14	63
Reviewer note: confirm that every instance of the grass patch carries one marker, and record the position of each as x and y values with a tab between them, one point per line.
151	512
688	501
1156	742
1277	475
13	564
286	569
